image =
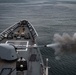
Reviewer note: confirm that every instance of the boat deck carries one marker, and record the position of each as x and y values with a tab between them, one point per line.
22	35
33	62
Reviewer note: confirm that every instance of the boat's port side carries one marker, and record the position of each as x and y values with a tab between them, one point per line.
19	40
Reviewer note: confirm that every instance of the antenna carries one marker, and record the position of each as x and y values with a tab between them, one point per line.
47	66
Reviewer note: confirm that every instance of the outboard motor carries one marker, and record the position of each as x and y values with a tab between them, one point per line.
21	64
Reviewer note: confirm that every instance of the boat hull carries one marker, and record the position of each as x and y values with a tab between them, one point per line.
21	37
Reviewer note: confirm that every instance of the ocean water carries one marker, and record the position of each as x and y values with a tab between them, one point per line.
48	17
